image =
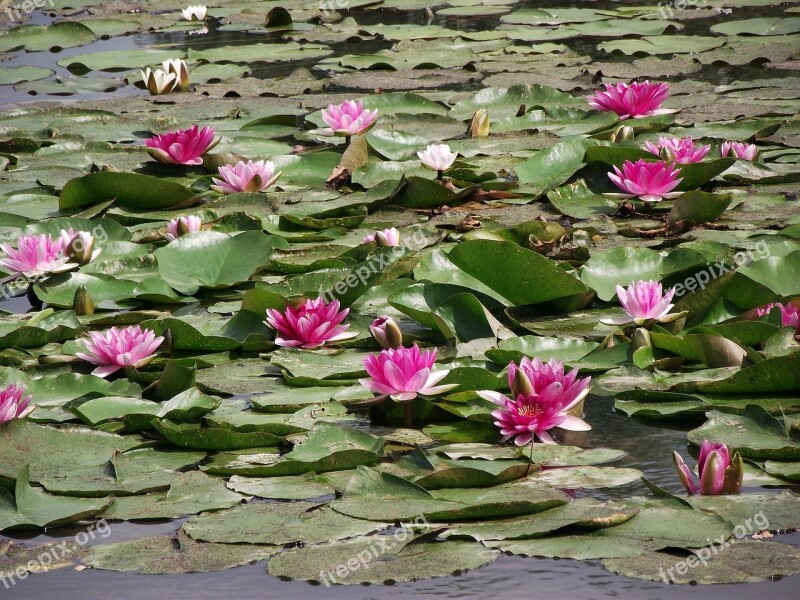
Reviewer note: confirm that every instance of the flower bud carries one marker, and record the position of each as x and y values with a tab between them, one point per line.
386	332
624	132
641	338
522	384
80	249
479	125
82	302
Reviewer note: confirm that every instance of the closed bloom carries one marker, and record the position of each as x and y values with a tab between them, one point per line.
13	405
309	325
648	181
719	474
182	147
386	332
541	397
120	347
679	150
35	255
790	314
387	238
159	81
631	100
194	13
403	373
739	150
245	177
181	226
78	246
437	157
643	301
348	118
178	67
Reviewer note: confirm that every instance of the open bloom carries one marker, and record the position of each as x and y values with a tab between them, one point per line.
159	81
194	13
739	150
120	347
790	314
348	118
13	405
178	67
245	177
79	246
402	373
182	225
35	255
648	181
437	157
643	301
541	397
679	150
631	100
385	239
386	332
309	325
719	474
182	147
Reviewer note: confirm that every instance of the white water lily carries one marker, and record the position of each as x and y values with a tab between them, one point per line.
178	67
438	157
159	82
194	13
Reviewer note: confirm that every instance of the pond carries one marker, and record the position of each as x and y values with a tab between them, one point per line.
366	364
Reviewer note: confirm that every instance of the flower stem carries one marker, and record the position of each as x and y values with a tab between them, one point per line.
346	141
439	175
530	459
407	414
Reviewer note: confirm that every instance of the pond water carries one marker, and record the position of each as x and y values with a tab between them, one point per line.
648	444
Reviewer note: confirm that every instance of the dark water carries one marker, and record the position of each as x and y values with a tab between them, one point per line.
648	447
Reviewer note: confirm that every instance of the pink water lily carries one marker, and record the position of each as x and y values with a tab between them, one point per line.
679	150
245	177
120	347
348	118
309	325
438	157
648	181
403	373
719	473
182	147
644	301
79	246
35	255
385	239
183	225
542	396
739	150
13	405
386	332
790	314
637	99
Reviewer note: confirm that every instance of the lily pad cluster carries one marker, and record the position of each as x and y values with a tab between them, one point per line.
507	244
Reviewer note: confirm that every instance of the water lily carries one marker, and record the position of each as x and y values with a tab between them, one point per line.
719	474
403	373
644	301
388	238
117	348
35	255
628	100
13	405
182	147
79	246
183	225
437	157
178	67
245	177
739	150
542	396
159	81
348	118
386	332
790	314
194	13
679	150
648	181
309	325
